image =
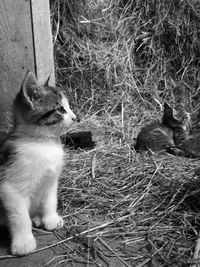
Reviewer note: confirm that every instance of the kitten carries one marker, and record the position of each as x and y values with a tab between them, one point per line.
163	135
31	160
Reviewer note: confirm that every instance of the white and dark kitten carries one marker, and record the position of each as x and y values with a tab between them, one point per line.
31	160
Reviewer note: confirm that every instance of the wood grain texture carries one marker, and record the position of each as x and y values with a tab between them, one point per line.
38	259
64	255
43	45
25	44
16	53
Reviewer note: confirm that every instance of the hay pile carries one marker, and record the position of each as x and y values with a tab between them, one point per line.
131	51
119	61
128	209
146	204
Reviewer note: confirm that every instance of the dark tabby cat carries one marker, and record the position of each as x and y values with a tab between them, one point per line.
31	161
163	135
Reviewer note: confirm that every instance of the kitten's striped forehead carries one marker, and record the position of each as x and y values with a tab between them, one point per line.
53	97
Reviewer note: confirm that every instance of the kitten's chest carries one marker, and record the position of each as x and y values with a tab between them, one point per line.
41	155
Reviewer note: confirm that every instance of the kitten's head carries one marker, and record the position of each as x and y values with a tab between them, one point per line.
44	107
176	119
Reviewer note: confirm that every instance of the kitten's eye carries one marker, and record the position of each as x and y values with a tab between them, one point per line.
61	110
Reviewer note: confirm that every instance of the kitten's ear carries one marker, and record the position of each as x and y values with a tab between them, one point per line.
30	88
167	110
169	114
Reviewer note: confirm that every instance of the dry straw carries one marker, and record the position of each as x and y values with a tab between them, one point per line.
119	61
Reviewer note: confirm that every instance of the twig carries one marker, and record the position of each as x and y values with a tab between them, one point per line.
66	239
109	248
196	257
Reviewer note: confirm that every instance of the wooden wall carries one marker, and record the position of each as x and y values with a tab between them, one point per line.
25	44
43	43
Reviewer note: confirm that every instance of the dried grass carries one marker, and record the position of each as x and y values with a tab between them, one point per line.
119	61
132	51
146	203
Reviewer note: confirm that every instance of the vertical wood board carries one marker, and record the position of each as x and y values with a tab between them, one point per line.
16	53
43	45
25	44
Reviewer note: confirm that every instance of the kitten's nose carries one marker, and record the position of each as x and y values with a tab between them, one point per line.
75	119
78	119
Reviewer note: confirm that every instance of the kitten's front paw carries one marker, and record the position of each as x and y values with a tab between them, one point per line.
53	221
22	245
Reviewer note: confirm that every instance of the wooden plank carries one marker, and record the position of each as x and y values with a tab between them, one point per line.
43	45
38	259
83	139
16	53
59	255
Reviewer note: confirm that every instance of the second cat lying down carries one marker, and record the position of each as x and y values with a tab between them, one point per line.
173	128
